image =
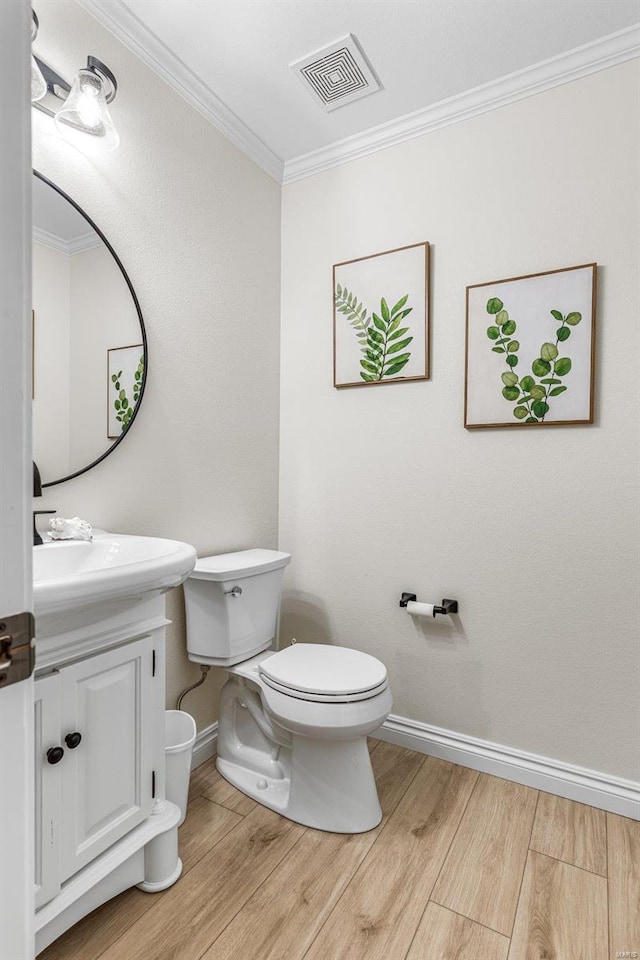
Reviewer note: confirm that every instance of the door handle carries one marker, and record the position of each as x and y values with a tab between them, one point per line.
72	740
17	656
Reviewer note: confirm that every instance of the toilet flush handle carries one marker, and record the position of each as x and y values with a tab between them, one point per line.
234	592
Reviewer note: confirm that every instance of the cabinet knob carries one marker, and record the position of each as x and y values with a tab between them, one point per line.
55	754
72	740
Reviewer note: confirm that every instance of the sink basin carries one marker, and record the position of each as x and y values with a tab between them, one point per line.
70	574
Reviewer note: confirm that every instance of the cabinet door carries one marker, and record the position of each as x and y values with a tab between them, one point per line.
107	777
47	788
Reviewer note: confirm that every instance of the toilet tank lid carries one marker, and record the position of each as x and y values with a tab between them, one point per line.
243	563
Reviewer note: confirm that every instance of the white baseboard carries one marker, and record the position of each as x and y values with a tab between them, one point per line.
543	773
205	746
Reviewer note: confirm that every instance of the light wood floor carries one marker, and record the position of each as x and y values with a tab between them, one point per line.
463	866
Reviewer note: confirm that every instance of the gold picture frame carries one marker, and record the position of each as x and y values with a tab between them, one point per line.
381	321
530	349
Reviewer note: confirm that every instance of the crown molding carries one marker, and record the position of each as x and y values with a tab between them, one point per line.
82	243
580	62
142	42
85	241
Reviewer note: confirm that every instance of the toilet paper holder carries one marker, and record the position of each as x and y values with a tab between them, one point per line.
448	606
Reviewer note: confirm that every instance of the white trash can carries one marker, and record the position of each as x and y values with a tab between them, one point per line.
180	735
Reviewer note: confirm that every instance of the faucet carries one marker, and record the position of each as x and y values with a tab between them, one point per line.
37	492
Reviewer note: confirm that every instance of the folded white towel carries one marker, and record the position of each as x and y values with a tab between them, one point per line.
72	529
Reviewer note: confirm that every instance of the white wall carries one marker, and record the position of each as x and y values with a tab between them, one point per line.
196	225
534	532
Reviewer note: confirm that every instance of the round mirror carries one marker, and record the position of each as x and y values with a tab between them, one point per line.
89	359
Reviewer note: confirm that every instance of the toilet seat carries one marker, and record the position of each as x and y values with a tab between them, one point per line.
323	697
324	674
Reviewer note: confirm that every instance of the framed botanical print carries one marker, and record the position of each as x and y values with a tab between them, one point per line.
530	349
381	318
125	369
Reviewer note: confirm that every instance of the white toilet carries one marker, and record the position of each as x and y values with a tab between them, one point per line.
293	725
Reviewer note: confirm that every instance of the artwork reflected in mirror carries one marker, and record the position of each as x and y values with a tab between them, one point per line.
125	369
87	327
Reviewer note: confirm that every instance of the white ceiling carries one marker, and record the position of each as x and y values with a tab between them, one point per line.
54	214
423	52
56	220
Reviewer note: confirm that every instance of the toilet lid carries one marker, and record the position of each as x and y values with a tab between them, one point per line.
315	668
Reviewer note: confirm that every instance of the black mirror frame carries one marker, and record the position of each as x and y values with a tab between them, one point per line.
145	350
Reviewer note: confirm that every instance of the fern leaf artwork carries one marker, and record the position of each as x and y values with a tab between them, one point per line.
354	312
378	335
379	338
530	349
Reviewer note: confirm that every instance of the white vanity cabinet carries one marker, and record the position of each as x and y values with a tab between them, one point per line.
103	823
94	758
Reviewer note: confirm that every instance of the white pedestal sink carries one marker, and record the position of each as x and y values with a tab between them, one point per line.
70	574
102	820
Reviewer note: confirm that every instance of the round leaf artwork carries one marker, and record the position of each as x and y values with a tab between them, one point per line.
539	380
531	397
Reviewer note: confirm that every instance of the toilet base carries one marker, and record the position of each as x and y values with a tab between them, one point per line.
327	785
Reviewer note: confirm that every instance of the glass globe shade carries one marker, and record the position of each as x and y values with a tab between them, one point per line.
85	119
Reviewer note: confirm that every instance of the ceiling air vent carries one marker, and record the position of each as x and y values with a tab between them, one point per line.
337	74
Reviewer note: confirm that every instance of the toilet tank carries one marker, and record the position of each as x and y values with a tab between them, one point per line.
232	602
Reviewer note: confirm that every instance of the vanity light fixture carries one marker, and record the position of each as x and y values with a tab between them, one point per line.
38	82
80	111
85	110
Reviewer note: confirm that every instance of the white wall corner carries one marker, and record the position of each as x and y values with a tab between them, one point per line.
590	58
205	746
145	45
79	244
542	773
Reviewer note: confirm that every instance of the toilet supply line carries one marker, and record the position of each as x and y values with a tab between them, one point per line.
204	668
